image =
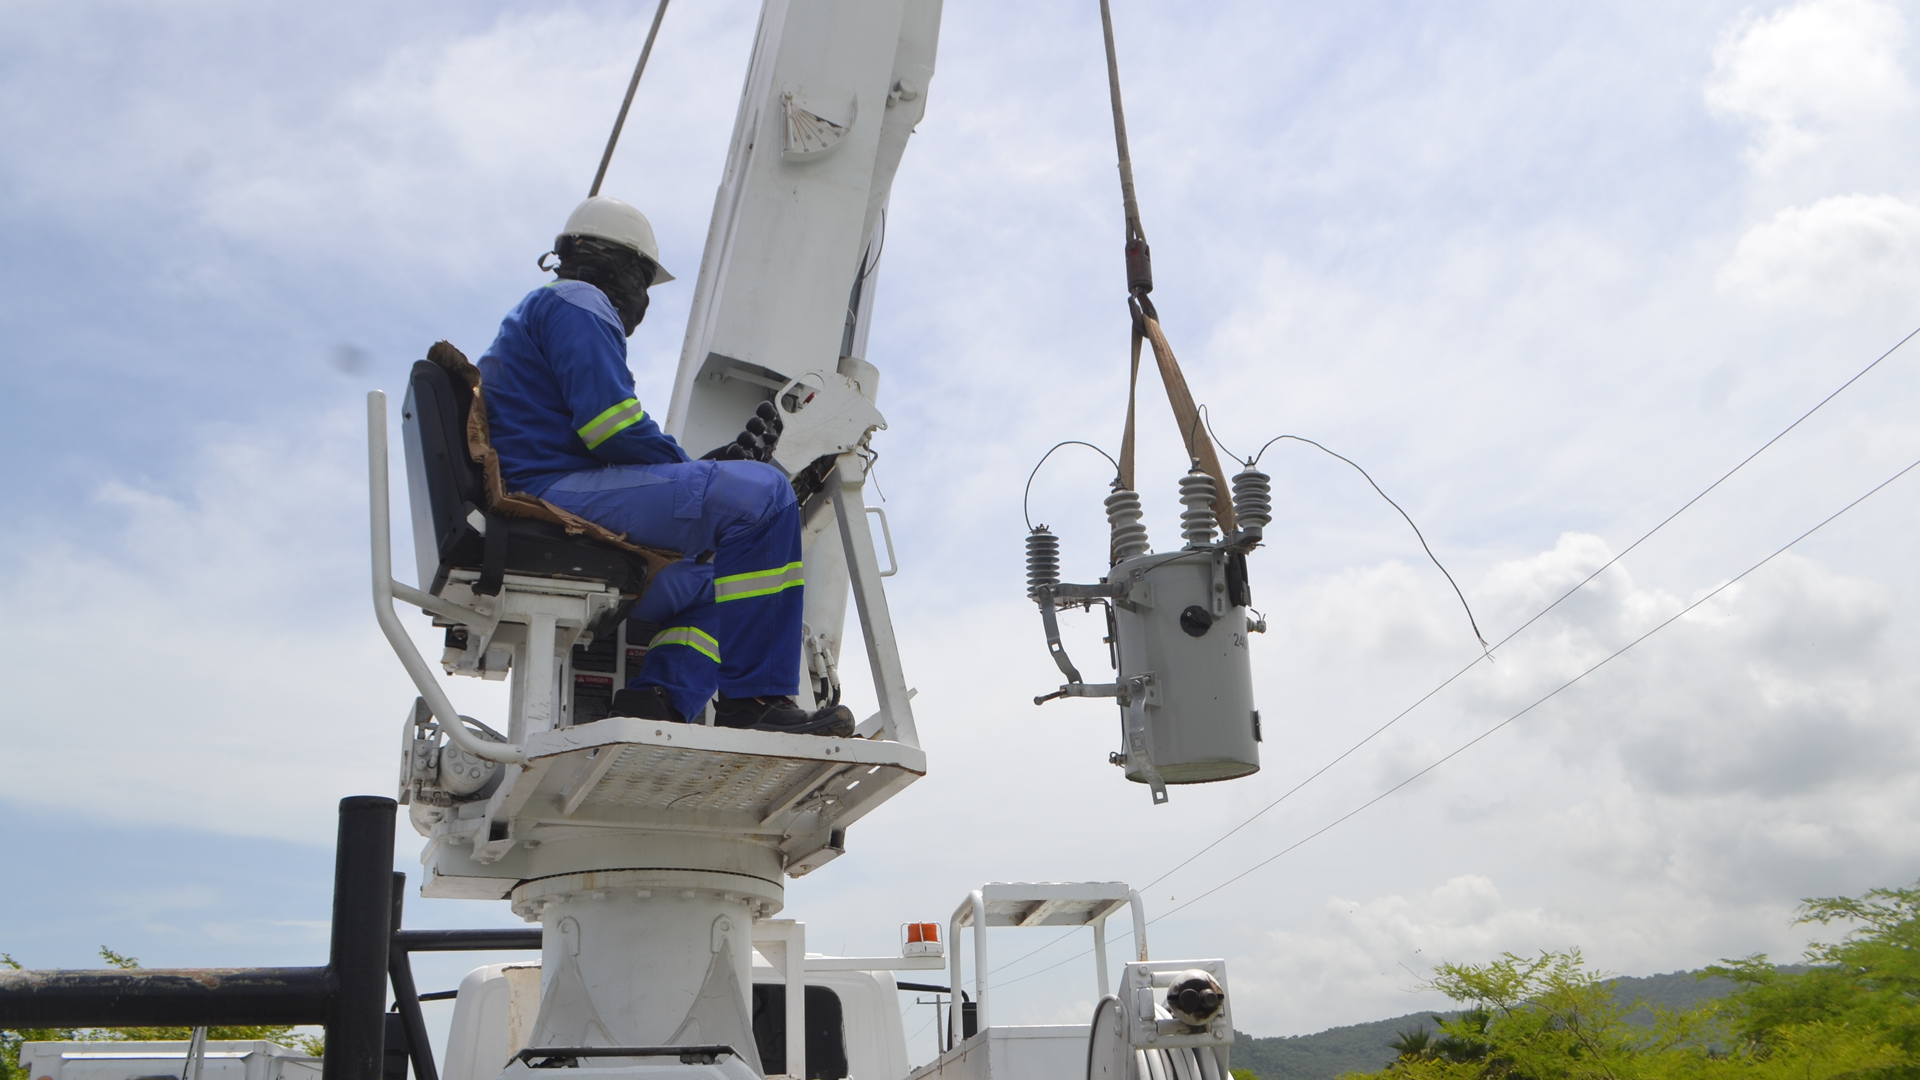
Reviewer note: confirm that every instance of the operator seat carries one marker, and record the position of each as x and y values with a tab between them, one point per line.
459	525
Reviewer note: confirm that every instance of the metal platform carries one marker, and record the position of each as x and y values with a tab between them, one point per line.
1046	903
794	793
634	771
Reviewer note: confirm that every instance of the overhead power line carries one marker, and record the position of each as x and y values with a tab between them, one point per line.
1477	739
1664	522
1543	699
1375	733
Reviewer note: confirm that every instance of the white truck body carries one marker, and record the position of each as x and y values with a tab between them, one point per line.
221	1060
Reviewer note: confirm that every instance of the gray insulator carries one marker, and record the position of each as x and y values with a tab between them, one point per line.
1252	498
1123	514
1197	520
1043	559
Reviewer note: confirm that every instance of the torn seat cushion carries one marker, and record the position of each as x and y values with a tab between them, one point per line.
522	534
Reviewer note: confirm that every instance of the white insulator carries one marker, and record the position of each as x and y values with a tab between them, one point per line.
1197	520
1252	498
1123	514
1043	559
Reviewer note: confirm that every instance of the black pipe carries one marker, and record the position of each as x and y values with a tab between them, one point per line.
183	997
466	940
406	996
362	928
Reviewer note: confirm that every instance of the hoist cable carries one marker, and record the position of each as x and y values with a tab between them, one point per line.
1146	320
1127	200
633	84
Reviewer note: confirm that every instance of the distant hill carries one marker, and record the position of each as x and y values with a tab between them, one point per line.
1363	1047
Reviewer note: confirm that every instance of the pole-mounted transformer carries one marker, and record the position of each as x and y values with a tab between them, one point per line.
1178	624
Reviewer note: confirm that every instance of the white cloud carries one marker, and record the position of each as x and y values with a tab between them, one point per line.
1380	950
1833	256
1808	71
210	659
453	146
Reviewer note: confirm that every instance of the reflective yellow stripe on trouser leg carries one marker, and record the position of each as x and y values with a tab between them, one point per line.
757	583
692	637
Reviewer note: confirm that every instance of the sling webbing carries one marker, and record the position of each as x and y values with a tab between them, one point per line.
1146	321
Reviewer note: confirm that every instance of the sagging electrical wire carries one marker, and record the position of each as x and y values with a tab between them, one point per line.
1254	461
1477	739
1027	496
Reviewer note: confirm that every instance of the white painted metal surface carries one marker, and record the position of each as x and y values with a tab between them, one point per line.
497	1005
1028	1052
1150	1024
785	295
791	231
220	1060
493	1016
1194	717
1029	904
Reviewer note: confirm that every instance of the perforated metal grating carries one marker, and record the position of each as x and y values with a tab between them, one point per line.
662	777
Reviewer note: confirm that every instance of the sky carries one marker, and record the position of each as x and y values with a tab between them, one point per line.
1546	271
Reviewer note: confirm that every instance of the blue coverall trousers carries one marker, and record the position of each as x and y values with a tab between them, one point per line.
731	623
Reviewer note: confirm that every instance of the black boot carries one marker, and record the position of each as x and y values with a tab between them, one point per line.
647	703
781	714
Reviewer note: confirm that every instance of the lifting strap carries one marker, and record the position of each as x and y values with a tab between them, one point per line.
1146	321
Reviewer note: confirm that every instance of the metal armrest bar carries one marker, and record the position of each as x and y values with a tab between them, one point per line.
379	513
436	605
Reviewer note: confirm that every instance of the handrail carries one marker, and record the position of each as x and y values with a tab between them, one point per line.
976	904
379	513
1139	922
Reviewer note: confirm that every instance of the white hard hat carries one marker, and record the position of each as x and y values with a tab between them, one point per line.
611	219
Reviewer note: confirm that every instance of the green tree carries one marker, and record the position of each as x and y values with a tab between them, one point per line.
1864	987
1536	1018
1413	1045
1854	1014
10	1041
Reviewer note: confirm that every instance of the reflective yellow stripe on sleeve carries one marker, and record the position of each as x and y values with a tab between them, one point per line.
692	637
757	583
612	422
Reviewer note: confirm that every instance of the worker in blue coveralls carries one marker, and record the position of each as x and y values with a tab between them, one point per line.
570	429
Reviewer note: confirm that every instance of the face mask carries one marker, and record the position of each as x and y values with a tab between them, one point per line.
620	272
628	292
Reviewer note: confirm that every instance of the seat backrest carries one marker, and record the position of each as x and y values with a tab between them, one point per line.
443	483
